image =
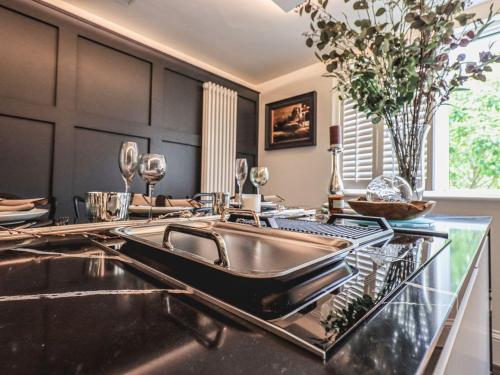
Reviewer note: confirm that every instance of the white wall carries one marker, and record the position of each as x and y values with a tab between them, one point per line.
300	175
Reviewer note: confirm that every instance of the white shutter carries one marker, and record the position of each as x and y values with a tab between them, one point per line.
357	159
390	163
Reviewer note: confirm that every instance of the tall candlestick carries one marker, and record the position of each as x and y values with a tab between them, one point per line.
336	186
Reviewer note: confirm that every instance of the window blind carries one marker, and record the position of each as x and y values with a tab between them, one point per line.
357	167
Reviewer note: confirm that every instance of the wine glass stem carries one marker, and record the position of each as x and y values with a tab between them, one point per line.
150	190
239	193
258	190
127	186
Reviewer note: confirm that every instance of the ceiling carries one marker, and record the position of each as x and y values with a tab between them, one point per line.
255	40
251	40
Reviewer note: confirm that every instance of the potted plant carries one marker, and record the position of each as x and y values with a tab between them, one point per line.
394	62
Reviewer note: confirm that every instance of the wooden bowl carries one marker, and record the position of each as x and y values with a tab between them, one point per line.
391	210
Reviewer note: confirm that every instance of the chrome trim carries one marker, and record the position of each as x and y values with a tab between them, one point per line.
200	232
240	211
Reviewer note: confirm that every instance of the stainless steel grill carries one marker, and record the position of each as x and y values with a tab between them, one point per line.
324	229
360	234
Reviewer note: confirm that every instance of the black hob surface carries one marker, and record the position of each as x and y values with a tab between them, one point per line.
317	311
77	307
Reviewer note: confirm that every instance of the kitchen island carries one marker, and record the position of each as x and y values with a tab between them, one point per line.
76	307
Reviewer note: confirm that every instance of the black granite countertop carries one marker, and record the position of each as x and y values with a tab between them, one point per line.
74	308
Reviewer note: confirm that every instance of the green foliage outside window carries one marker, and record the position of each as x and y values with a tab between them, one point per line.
475	137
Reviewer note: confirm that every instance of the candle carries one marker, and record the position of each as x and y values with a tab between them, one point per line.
335	136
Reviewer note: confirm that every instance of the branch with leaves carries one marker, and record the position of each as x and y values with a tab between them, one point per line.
394	61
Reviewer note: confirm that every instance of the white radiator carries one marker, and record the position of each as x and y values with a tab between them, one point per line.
218	148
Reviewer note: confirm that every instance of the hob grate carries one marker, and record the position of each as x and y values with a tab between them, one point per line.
323	229
360	234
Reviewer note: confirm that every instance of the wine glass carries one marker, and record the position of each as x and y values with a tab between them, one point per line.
152	168
128	160
241	172
259	177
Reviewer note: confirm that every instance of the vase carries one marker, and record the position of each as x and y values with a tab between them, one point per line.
408	144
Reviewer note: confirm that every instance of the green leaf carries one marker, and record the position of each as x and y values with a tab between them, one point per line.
380	11
428	18
479	77
360	4
410	17
309	42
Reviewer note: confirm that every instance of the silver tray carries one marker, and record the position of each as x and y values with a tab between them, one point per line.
250	252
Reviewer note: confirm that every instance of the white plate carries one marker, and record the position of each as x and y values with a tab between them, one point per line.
157	210
271	205
34	213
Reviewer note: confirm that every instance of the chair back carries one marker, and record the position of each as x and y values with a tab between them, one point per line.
77	202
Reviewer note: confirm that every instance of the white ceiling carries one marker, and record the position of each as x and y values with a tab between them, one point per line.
254	40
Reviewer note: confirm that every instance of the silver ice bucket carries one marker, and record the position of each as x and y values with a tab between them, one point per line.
105	206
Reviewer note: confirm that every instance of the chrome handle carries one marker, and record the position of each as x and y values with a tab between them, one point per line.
254	214
200	232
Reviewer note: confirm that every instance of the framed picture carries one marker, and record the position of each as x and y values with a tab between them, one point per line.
291	122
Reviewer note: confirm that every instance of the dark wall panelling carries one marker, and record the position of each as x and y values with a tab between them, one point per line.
246	136
112	83
26	150
182	103
96	161
28	50
183	170
109	89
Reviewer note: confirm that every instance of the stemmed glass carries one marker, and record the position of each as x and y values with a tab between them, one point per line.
259	177
128	160
241	172
152	168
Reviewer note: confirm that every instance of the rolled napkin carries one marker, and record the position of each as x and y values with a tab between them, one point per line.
182	203
161	201
21	204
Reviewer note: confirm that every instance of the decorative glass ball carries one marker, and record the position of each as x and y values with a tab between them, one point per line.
388	189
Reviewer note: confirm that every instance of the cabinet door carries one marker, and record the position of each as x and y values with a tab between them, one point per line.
470	349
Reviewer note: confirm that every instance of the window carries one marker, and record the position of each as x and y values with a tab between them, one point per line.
464	145
470	125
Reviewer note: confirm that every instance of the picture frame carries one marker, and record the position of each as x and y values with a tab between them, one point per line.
291	122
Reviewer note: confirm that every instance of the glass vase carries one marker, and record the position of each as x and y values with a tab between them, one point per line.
408	143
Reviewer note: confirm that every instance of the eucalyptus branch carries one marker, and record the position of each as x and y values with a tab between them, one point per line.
394	62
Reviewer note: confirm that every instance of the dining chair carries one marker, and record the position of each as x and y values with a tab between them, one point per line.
77	202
